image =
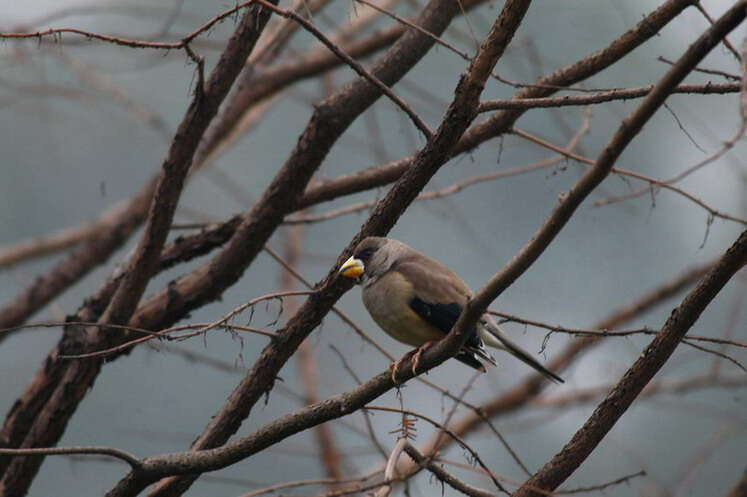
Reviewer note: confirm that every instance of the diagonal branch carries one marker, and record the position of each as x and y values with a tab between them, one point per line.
358	68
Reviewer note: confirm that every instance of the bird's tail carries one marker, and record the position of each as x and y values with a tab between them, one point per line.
492	335
480	351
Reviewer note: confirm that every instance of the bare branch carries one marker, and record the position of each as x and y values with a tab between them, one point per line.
585	395
329	120
303	483
444	475
102	245
725	41
524	392
455	188
358	68
601	486
597	98
726	147
717	353
309	416
458	117
445	430
133	461
632	174
606	333
704	70
57	33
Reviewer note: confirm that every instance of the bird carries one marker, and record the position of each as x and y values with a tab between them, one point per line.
417	300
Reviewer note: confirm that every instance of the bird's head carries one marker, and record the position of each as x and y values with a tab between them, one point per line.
370	259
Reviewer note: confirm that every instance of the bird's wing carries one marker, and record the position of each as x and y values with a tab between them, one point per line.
438	293
432	281
438	296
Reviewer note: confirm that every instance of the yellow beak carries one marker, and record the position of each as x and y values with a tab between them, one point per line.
352	268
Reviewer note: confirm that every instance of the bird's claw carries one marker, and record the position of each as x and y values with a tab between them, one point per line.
415	355
394	368
418	352
396	365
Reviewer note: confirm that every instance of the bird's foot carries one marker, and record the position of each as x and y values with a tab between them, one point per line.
418	352
415	355
394	367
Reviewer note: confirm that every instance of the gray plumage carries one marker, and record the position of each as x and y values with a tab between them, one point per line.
416	300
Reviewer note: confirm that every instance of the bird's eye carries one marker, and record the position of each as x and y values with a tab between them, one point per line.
365	254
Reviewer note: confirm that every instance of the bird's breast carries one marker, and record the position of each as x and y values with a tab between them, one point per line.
388	302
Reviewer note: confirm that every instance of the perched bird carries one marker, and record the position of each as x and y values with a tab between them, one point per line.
417	300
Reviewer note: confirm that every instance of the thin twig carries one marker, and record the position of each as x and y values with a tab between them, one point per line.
704	70
130	459
601	97
631	174
358	68
606	333
303	483
455	188
687	341
450	433
56	33
602	486
724	40
444	475
201	328
366	417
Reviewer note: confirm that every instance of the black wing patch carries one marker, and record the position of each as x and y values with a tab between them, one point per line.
442	316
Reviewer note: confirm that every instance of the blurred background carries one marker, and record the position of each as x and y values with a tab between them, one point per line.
85	124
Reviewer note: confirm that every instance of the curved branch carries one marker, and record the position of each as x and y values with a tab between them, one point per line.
130	459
